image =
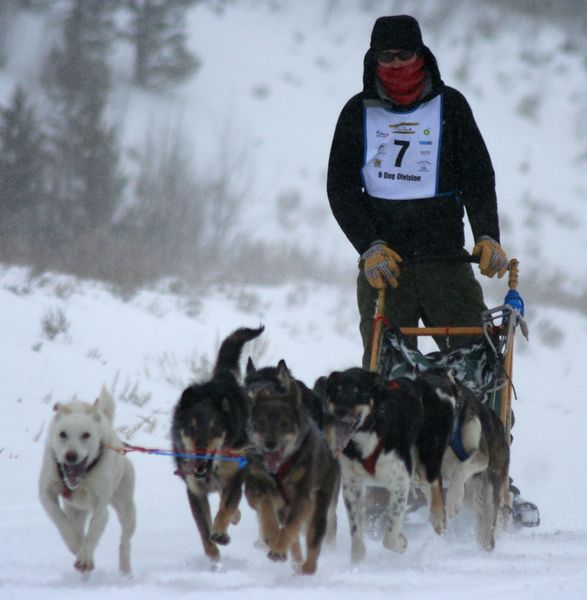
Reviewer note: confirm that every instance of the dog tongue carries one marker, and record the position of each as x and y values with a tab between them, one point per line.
273	461
73	474
344	432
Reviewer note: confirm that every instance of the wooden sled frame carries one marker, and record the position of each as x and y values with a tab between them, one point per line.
506	333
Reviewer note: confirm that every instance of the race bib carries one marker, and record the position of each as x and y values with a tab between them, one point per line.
401	151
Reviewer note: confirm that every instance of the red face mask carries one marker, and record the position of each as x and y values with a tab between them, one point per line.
404	85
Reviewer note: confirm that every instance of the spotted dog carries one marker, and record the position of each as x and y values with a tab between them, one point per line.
376	429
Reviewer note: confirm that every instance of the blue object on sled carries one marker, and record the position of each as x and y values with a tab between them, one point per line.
516	301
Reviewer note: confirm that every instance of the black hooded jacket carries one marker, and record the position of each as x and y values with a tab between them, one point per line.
424	227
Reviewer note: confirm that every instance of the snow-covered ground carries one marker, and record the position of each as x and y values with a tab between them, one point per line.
151	345
274	78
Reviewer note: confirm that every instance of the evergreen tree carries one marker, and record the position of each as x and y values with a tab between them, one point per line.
23	163
86	181
159	37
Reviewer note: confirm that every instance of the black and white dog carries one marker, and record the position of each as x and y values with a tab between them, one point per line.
377	427
476	462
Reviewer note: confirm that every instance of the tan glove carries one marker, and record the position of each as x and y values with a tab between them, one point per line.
492	257
381	265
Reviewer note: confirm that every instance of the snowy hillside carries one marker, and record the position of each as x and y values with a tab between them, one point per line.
274	77
151	345
262	108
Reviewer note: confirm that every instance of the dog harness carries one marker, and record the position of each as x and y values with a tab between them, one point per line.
369	462
278	477
283	471
456	442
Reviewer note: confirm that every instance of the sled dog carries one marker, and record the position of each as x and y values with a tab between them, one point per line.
376	430
82	473
293	476
476	462
209	418
269	379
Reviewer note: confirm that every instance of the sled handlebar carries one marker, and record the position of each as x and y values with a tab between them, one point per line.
443	258
513	266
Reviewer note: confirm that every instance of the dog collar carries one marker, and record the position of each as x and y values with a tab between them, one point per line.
278	477
369	462
283	470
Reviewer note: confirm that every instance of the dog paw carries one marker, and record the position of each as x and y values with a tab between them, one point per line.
84	565
438	522
397	543
236	517
277	556
454	501
261	544
296	553
358	552
309	568
220	537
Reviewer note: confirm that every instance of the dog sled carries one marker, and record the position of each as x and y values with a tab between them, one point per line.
484	363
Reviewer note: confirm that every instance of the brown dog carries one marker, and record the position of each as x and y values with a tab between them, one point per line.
292	478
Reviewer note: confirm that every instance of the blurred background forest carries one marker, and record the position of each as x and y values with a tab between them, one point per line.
77	197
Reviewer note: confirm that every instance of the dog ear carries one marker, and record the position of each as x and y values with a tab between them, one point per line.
250	368
320	387
332	377
96	410
106	403
283	374
292	389
296	392
330	383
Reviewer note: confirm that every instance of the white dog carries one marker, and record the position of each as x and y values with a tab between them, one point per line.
82	473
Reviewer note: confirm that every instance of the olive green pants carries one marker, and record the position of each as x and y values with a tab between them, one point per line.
438	294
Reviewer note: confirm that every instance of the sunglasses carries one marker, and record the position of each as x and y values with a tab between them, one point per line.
388	56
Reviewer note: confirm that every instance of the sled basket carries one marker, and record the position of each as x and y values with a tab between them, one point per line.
478	364
484	364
